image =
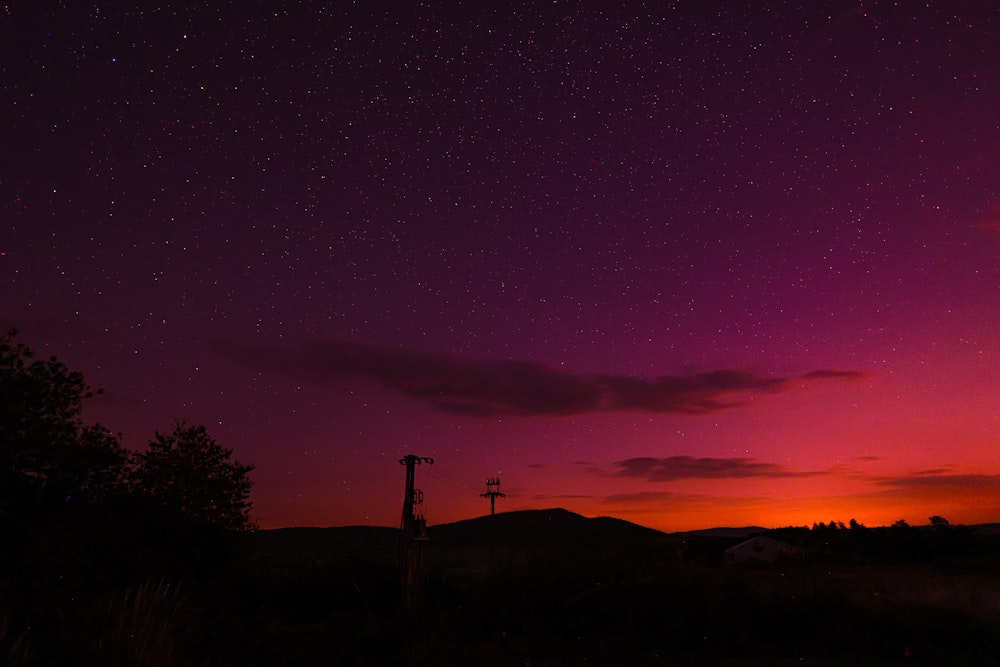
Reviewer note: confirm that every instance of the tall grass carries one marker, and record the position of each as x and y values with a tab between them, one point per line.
141	625
16	648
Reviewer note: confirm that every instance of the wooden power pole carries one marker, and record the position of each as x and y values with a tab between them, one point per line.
492	492
412	533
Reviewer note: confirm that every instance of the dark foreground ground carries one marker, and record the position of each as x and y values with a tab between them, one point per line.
538	588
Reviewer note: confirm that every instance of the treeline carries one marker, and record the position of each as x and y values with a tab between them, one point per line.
897	543
88	524
51	461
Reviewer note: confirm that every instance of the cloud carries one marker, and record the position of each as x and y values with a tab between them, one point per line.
950	489
487	388
698	393
687	467
929	471
652	497
562	496
936	479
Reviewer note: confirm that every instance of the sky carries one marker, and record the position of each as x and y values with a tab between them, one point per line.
689	264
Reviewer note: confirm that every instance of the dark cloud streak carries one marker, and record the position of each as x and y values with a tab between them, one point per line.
487	388
687	467
938	479
647	497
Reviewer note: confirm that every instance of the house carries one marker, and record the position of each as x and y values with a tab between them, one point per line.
761	549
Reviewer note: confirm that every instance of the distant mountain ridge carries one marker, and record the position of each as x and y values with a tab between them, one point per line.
526	529
745	531
558	519
545	529
549	527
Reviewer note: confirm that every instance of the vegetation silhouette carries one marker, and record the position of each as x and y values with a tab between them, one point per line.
88	524
187	472
48	457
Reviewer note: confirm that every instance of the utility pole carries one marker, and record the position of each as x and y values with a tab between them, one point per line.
492	492
412	532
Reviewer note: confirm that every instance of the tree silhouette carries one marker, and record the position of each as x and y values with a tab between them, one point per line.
187	473
51	460
48	456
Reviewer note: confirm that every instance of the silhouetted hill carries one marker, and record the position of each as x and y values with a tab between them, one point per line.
986	528
745	531
463	542
553	535
545	528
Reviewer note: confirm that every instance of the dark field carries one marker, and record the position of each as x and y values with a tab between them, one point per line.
538	588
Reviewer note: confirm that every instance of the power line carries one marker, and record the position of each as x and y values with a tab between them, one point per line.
444	476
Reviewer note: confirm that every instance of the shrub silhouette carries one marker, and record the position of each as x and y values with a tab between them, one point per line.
49	458
187	472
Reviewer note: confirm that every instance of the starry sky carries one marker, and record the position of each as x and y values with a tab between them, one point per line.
685	263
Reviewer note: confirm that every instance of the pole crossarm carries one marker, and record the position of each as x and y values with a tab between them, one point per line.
417	460
492	492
